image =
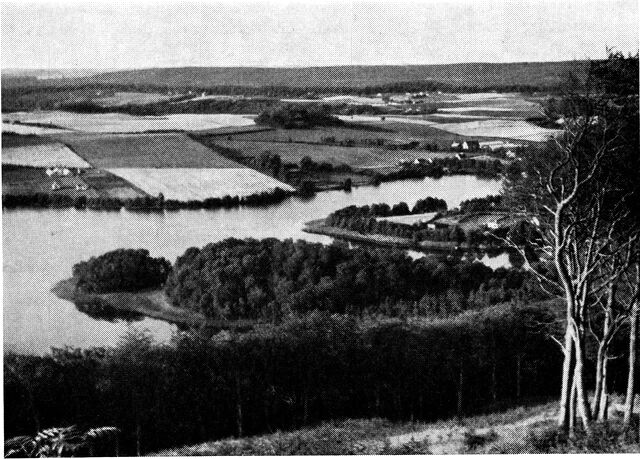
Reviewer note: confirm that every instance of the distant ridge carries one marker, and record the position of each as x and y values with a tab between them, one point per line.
475	75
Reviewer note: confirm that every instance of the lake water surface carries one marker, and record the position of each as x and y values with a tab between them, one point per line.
40	246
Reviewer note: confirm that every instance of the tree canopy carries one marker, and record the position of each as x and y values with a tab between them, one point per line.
121	270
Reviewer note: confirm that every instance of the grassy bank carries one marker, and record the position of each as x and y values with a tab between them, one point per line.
528	428
148	303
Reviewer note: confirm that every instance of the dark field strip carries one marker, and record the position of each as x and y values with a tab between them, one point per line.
108	151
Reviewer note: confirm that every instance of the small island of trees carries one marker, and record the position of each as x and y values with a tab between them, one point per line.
122	270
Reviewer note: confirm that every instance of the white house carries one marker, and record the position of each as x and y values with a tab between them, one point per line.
509	154
55	186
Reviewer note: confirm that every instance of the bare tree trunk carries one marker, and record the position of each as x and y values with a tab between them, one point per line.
573	396
582	400
633	335
599	390
567	381
602	359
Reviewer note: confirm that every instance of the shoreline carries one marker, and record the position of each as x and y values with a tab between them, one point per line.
153	304
318	227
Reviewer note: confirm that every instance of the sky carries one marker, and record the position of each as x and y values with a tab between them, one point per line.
125	35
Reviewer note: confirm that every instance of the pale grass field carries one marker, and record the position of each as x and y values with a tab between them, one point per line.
121	123
199	184
409	219
43	155
504	128
30	130
136	98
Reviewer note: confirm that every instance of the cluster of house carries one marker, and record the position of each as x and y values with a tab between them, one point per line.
492	146
64	178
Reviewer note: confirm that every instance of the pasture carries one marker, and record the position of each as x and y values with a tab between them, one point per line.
501	128
26	129
21	180
133	98
37	152
410	219
108	151
123	123
199	184
357	157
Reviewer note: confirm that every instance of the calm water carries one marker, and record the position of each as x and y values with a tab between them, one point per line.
41	246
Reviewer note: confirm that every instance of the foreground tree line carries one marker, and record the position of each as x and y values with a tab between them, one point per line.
309	369
584	194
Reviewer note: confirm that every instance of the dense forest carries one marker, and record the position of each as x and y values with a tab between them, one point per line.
121	270
296	116
310	369
269	279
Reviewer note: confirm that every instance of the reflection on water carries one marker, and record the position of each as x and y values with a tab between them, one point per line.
42	245
100	310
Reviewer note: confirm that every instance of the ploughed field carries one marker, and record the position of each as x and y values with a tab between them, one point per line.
108	151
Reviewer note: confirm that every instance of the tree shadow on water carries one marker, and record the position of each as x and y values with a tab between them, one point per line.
101	310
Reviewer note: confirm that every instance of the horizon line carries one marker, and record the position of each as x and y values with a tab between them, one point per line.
292	67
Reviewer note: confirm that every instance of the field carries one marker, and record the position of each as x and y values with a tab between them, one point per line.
37	152
410	219
19	180
199	184
122	123
133	98
359	157
502	128
107	151
24	129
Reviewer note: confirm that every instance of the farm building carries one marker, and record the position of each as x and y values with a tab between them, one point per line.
494	145
467	145
62	171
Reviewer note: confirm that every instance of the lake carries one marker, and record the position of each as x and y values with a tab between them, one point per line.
42	245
